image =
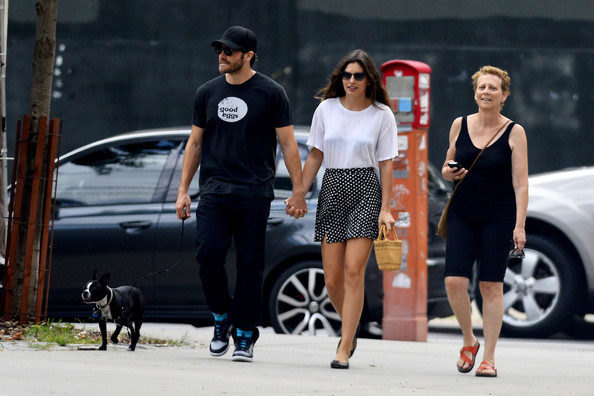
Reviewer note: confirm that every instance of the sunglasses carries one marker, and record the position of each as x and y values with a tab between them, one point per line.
358	76
517	254
228	51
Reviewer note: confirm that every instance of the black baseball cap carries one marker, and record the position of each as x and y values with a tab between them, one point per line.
238	37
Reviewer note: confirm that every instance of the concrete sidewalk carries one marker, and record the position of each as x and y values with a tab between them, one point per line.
294	365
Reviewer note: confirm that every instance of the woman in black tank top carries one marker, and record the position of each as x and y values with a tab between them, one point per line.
487	214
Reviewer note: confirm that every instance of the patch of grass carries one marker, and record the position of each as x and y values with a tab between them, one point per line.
58	333
47	334
166	342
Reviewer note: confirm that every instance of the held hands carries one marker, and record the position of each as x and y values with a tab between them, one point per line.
296	206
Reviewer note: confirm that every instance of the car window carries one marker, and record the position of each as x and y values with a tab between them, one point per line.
122	174
283	187
174	185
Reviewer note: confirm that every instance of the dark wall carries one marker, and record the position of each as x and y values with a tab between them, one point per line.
123	66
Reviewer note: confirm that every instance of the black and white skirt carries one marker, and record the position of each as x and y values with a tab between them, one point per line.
349	205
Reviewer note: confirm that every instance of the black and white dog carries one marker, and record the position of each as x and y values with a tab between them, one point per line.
123	305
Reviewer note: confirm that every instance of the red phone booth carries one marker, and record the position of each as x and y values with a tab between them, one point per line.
405	290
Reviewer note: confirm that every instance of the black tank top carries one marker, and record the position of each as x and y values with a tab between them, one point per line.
487	192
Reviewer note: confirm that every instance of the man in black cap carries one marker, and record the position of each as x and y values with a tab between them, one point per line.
237	119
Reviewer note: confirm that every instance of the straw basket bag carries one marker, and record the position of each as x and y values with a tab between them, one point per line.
388	253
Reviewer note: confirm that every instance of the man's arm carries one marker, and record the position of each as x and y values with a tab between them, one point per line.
192	156
296	205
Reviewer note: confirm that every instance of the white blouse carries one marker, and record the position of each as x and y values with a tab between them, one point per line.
353	139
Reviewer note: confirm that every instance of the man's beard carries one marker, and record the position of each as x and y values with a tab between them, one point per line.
232	67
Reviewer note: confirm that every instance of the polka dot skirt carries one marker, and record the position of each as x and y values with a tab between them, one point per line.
349	205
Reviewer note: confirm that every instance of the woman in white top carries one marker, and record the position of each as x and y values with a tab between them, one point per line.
353	132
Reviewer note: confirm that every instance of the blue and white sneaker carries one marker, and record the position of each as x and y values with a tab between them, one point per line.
244	344
222	330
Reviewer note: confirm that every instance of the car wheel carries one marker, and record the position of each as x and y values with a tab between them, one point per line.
537	290
299	303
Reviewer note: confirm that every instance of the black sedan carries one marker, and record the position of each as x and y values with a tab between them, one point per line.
115	212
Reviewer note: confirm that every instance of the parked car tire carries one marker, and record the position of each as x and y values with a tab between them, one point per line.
299	302
538	291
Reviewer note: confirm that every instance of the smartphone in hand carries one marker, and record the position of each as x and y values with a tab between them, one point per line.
454	165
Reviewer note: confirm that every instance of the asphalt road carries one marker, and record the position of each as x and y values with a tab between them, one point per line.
294	365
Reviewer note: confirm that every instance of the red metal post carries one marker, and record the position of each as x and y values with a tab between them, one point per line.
33	225
14	221
405	291
54	135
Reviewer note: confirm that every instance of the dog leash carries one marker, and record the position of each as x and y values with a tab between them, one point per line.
179	257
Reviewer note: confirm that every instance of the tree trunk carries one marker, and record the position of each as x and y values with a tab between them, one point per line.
43	59
41	89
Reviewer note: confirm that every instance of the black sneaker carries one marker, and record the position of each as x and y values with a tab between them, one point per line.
244	344
220	341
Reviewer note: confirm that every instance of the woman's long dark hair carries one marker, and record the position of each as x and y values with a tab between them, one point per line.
374	91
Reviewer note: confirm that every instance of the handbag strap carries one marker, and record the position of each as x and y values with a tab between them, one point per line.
383	234
479	154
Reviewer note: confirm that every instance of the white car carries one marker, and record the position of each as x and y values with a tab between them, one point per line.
552	288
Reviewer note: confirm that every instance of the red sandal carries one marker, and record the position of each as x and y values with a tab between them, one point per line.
485	368
473	350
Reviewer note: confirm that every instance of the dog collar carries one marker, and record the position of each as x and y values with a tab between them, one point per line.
103	305
104	302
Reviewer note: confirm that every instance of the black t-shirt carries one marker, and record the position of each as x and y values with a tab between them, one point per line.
239	142
487	191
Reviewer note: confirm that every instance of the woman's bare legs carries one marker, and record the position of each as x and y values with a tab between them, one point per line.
333	259
492	293
457	289
344	271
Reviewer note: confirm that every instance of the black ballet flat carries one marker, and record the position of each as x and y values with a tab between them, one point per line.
354	341
335	364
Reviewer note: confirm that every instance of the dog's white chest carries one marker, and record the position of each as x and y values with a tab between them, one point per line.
106	313
105	308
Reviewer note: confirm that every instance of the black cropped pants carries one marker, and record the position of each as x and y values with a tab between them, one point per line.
489	242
